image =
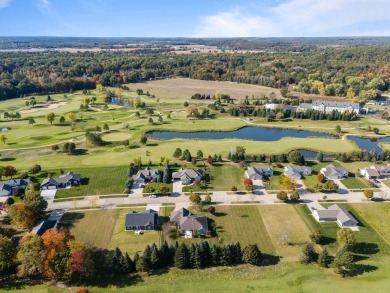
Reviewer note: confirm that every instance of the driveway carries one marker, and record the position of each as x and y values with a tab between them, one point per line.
342	189
177	188
137	188
48	194
154	206
258	187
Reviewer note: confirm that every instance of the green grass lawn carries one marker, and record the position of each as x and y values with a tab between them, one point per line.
274	181
354	183
97	181
94	228
126	240
224	176
233	224
366	235
386	182
156	185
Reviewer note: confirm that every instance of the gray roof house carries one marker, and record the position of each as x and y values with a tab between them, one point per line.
147	220
332	172
258	172
375	172
145	175
51	222
188	223
187	176
327	107
177	215
64	181
6	187
335	213
193	223
296	172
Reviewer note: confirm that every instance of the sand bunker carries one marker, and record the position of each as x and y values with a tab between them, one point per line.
46	107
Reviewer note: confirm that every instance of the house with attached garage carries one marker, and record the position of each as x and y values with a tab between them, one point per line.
259	172
187	176
296	172
335	213
7	187
332	172
147	220
146	175
375	172
51	222
189	224
64	181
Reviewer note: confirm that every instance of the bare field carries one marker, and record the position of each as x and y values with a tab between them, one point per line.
186	87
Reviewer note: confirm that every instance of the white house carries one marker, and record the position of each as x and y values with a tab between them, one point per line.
375	172
258	172
332	172
296	172
335	213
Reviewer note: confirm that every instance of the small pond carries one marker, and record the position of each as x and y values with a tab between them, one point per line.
369	143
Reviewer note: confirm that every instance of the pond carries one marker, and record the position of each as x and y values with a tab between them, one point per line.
250	132
269	134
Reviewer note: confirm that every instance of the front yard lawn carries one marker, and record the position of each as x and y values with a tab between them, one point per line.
354	183
274	181
152	187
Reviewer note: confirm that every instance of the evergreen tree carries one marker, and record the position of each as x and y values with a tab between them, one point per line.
164	254
197	258
320	157
214	256
136	257
154	258
146	254
238	253
204	250
323	258
227	256
252	255
181	259
191	251
167	177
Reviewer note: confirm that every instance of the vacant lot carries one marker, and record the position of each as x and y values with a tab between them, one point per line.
224	176
126	240
377	215
184	88
286	229
92	227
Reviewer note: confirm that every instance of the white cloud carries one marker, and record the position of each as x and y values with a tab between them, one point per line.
299	18
4	3
44	6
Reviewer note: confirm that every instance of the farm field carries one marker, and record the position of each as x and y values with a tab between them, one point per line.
91	227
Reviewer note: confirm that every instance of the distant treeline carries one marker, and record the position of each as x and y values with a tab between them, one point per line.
357	72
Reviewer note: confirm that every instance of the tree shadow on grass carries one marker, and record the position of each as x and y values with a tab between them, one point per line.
80	152
360	269
366	248
152	144
105	282
219	214
269	259
12	283
327	240
8	159
69	220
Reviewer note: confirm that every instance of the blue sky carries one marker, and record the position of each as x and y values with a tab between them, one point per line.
199	18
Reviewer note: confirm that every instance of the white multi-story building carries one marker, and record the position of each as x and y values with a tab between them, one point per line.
328	107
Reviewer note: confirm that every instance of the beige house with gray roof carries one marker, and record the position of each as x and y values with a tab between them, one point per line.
335	213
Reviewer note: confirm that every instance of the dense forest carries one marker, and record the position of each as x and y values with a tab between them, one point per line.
360	72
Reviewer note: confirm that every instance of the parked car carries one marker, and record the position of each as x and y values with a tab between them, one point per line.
152	196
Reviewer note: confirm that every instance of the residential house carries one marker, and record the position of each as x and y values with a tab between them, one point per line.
6	187
258	172
187	176
328	107
332	172
187	223
147	220
335	213
146	175
375	172
64	181
51	222
177	215
296	172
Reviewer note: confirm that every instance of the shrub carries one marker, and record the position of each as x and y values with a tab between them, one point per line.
234	188
321	178
35	169
368	193
308	254
252	255
316	236
282	195
211	210
294	196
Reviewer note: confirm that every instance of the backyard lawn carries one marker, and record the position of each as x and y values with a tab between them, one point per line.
366	236
94	228
97	181
126	240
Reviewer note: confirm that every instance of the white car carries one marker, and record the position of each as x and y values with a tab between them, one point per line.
152	196
138	232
